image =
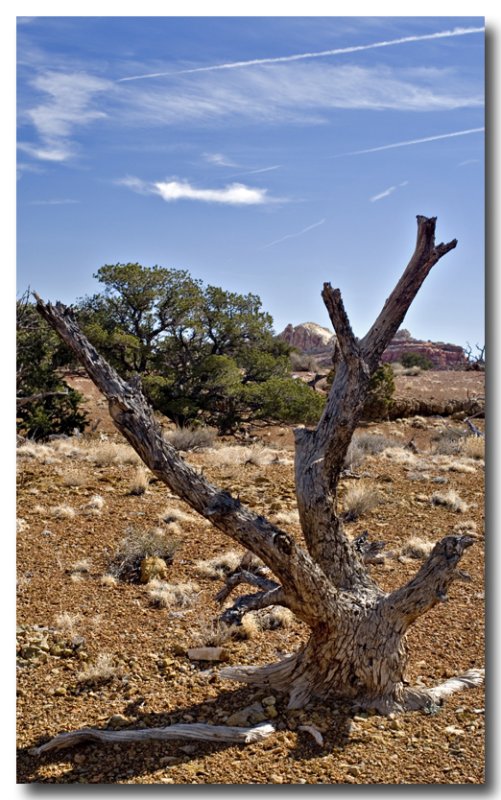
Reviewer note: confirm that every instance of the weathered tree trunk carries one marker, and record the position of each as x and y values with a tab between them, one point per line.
356	648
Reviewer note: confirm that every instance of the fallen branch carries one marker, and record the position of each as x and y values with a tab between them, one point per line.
199	731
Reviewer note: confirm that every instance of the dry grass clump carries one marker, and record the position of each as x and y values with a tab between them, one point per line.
415	547
63	511
69	447
170	514
73	479
256	454
139	482
462	467
404	457
169	595
359	500
107	454
191	438
290	517
94	506
108	580
448	442
68	623
269	619
474	447
137	545
82	567
465	526
367	444
101	670
450	500
218	567
21	525
39	452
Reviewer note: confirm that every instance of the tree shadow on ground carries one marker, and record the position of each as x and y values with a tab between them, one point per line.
109	763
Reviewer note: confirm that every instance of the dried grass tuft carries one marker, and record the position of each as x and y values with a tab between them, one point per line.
415	547
450	500
139	544
218	567
101	671
358	500
139	482
63	512
170	595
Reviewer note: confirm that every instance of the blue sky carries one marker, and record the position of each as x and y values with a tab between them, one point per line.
264	155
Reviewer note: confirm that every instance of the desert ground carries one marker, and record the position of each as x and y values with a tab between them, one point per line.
97	647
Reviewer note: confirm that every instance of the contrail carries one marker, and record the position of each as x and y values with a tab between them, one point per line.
300	56
294	235
410	141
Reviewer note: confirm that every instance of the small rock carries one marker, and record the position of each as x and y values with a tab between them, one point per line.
60	691
274	778
118	721
152	567
207	654
269	701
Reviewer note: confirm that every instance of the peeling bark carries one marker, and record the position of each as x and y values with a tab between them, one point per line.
356	648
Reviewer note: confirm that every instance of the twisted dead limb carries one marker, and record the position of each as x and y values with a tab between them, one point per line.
356	648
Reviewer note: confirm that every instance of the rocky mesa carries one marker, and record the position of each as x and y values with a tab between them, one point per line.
313	339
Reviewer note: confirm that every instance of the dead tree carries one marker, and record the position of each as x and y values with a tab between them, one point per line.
356	648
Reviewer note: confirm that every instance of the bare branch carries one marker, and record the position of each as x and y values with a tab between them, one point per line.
348	343
425	256
253	602
197	730
244	576
429	586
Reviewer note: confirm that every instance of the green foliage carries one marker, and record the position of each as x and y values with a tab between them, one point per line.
205	355
46	404
415	360
379	398
380	392
284	399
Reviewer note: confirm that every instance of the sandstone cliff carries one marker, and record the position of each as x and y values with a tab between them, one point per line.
313	339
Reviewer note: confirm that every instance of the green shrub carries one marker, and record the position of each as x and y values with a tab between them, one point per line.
415	360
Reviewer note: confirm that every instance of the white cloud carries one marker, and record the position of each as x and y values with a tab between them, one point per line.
302	56
61	151
387	192
294	235
236	194
219	160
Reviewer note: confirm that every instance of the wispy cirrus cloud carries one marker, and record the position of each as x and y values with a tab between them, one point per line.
66	201
387	192
70	105
219	160
412	141
235	194
293	235
302	56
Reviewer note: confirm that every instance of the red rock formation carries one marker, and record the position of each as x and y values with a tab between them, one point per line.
441	355
308	337
315	340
